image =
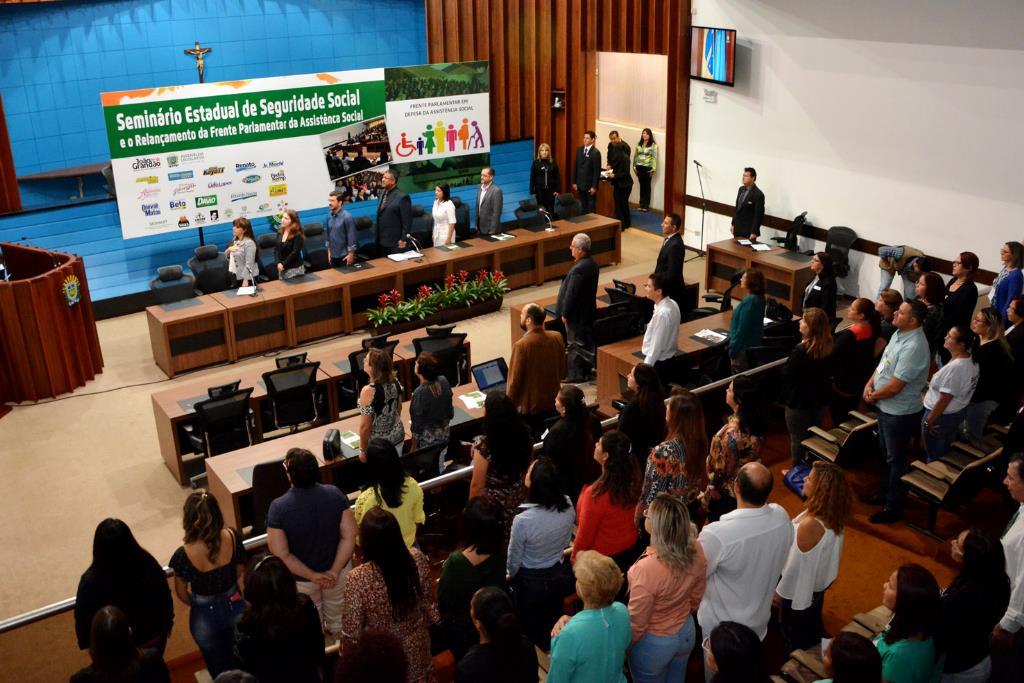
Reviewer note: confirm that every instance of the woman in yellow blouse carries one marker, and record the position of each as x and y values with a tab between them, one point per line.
390	489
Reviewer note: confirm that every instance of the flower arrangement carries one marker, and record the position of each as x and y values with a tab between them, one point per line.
458	290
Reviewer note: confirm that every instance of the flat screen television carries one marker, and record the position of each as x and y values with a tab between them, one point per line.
713	54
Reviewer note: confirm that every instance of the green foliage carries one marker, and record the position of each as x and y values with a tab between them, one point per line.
457	291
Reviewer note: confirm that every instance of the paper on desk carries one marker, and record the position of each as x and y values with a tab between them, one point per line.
761	247
453	246
503	236
474	399
711	336
350	439
405	256
745	243
246	291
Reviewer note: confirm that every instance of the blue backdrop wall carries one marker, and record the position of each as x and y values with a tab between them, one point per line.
58	58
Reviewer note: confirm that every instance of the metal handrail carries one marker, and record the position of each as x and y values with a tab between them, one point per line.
257	542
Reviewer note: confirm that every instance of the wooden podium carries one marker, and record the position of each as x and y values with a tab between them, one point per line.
48	346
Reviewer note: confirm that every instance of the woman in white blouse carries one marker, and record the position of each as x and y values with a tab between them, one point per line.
813	562
444	215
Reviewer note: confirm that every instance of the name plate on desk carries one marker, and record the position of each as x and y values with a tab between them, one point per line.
355	267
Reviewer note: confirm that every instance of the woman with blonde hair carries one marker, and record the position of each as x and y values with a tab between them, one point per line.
665	587
545	181
289	246
995	380
208	569
806	379
676	466
380	402
591	646
813	562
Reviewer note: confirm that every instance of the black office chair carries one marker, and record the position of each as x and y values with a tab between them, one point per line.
528	217
269	482
422	226
440	330
794	230
223	424
349	387
424	463
641	305
451	355
210	268
366	237
314	246
378	341
838	242
171	285
463	229
609	330
223	389
291	360
292	394
680	370
567	206
724	299
627	287
267	243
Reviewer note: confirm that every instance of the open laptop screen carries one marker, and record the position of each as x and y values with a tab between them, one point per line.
491	373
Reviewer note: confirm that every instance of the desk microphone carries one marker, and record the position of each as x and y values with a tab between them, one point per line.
547	216
414	243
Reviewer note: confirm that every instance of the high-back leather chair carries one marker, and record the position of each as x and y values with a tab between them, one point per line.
171	284
451	354
314	246
210	268
267	257
528	216
292	393
567	206
422	226
366	236
463	229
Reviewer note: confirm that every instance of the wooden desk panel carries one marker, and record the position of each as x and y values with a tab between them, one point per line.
259	323
786	274
318	306
189	334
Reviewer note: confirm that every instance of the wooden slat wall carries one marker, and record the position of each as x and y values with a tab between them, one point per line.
536	46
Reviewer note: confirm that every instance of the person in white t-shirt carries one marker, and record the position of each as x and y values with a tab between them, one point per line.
661	337
444	215
950	392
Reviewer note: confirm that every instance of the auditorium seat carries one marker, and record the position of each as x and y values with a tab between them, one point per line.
292	394
422	226
529	217
314	247
171	284
462	226
567	206
267	258
366	237
724	299
845	442
210	268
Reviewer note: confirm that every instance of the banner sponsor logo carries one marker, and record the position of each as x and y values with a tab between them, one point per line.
218	183
273	164
146	162
228	213
277	176
242	196
178	204
247	166
213	170
251	179
184	188
172	160
151	179
199	219
206	200
278	190
161	223
149	193
183	222
263	207
151	209
214	214
179	175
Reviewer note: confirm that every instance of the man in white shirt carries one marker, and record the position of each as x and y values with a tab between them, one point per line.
1007	639
663	330
746	551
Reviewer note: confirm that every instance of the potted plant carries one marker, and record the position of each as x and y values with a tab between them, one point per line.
457	299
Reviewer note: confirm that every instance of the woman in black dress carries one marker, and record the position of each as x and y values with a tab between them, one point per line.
643	418
289	246
545	181
821	292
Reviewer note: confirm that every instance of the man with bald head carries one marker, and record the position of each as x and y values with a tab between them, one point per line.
746	550
538	364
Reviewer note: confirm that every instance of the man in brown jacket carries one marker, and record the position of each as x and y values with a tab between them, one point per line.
538	364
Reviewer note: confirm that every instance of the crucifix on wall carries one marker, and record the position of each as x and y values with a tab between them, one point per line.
198	53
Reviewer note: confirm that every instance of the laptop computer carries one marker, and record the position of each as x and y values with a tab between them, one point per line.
491	375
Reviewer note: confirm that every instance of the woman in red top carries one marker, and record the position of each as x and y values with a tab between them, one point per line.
606	507
853	357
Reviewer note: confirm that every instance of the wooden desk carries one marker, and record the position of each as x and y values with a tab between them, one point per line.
786	274
189	334
230	475
618	359
259	323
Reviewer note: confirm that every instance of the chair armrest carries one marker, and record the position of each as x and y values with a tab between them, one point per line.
715	298
818	431
618	404
861	416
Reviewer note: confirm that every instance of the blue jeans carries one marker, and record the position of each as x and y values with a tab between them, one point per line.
212	621
894	435
976	417
938	442
906	273
662	659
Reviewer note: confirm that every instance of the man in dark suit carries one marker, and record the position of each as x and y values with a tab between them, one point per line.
746	223
394	215
489	203
577	298
586	172
621	180
670	258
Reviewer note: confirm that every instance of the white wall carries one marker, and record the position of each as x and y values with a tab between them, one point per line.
631	96
900	120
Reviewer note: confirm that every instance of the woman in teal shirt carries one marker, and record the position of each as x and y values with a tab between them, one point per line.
591	647
746	328
906	645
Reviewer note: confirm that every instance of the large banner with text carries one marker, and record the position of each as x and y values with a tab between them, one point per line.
195	155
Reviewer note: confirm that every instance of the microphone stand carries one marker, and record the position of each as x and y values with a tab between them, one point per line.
253	280
547	216
416	244
703	211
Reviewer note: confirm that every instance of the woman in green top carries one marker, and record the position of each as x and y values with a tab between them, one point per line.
746	328
906	646
591	646
645	162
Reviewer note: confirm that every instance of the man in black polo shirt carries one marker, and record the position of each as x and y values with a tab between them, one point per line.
313	530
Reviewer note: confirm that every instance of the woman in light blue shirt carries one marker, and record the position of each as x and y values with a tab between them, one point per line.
540	535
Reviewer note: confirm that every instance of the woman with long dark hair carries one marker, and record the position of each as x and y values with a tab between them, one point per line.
430	409
1009	282
535	563
996	386
853	357
931	292
504	654
645	163
972	606
643	418
821	292
289	246
606	507
115	658
208	569
734	655
961	293
676	466
279	635
569	442
479	561
805	379
746	326
124	575
909	653
391	591
242	253
443	213
380	401
736	443
390	488
949	392
852	658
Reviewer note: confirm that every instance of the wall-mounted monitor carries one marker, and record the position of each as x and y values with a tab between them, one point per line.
713	54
